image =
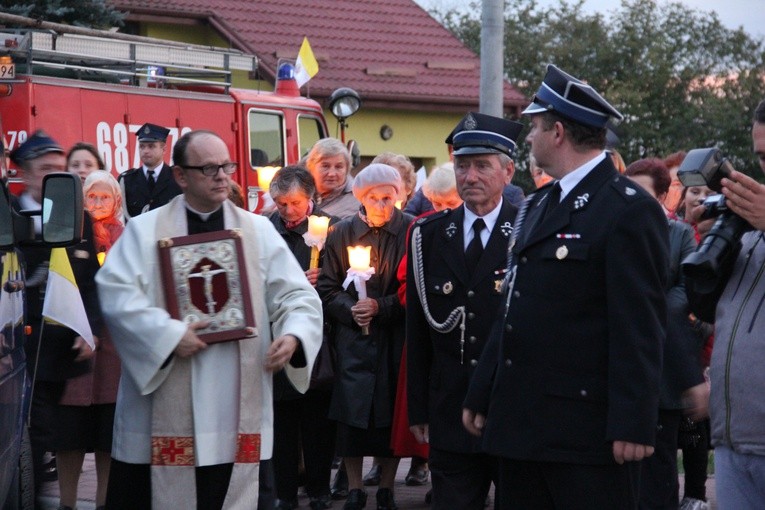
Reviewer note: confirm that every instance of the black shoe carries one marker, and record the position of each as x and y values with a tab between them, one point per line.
282	504
357	500
320	503
373	477
339	487
385	500
416	476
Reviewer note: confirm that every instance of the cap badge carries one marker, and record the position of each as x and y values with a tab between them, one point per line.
581	201
506	228
470	123
448	287
629	191
562	252
147	130
451	230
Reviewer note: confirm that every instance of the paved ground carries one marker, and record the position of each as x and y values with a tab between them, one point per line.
408	498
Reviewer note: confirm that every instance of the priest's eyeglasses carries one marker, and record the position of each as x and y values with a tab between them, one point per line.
212	170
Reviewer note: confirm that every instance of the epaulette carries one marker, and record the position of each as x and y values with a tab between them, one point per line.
627	189
127	172
422	220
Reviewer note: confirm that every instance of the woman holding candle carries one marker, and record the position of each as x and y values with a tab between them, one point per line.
367	364
299	415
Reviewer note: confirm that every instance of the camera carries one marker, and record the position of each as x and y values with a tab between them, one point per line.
707	167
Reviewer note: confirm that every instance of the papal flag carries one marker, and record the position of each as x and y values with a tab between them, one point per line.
306	66
11	297
63	303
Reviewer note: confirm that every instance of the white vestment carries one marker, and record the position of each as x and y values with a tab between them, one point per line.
145	336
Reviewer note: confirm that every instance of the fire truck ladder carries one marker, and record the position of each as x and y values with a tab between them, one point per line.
130	61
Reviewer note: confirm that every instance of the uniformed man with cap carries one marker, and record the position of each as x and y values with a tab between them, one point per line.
152	184
456	262
54	353
567	390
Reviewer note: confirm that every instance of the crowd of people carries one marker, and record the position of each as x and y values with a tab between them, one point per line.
549	345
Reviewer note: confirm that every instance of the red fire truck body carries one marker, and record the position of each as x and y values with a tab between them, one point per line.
261	128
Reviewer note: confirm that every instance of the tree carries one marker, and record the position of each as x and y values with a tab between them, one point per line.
83	13
680	77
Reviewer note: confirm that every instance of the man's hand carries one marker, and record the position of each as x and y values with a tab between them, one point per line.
421	433
190	342
628	452
473	422
84	351
745	197
313	275
364	310
696	401
280	352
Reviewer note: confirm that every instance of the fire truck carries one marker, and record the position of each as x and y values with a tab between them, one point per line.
100	87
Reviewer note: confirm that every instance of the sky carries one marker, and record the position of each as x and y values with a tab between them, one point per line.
732	13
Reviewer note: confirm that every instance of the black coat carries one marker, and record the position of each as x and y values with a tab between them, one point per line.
438	373
136	190
576	363
366	366
283	388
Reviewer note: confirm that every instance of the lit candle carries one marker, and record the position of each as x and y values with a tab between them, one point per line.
315	237
265	175
398	204
101	257
359	257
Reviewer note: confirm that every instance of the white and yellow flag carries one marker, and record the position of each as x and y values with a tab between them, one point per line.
11	300
306	65
63	303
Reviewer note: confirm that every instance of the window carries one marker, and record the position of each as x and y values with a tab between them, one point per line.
266	138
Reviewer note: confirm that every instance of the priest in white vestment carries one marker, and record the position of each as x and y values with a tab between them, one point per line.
194	421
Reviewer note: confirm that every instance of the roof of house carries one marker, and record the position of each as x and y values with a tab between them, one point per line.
393	53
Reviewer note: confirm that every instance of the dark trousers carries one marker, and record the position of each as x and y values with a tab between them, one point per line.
42	422
130	486
461	480
303	421
658	473
555	485
695	460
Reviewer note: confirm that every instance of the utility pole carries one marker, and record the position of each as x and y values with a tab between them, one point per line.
492	57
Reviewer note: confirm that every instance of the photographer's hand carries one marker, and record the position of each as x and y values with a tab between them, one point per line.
746	197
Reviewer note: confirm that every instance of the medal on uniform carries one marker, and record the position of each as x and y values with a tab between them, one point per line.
448	288
562	252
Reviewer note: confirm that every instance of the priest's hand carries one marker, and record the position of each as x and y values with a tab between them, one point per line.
84	351
280	352
628	452
190	343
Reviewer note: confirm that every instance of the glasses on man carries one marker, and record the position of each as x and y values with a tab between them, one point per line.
212	170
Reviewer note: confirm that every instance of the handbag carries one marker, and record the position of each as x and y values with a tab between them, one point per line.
323	374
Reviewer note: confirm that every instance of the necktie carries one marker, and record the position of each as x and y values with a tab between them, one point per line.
150	179
553	199
475	248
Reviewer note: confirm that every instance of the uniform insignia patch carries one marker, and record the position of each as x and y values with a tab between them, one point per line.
581	201
470	122
451	230
448	287
629	191
506	228
562	252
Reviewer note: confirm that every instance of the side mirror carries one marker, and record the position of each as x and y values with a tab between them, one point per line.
62	209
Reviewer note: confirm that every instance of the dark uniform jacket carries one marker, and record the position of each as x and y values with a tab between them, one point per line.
136	197
366	369
576	363
438	373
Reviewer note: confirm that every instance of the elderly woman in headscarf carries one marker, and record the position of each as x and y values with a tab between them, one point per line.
368	332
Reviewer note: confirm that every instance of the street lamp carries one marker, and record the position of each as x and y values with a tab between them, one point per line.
343	103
